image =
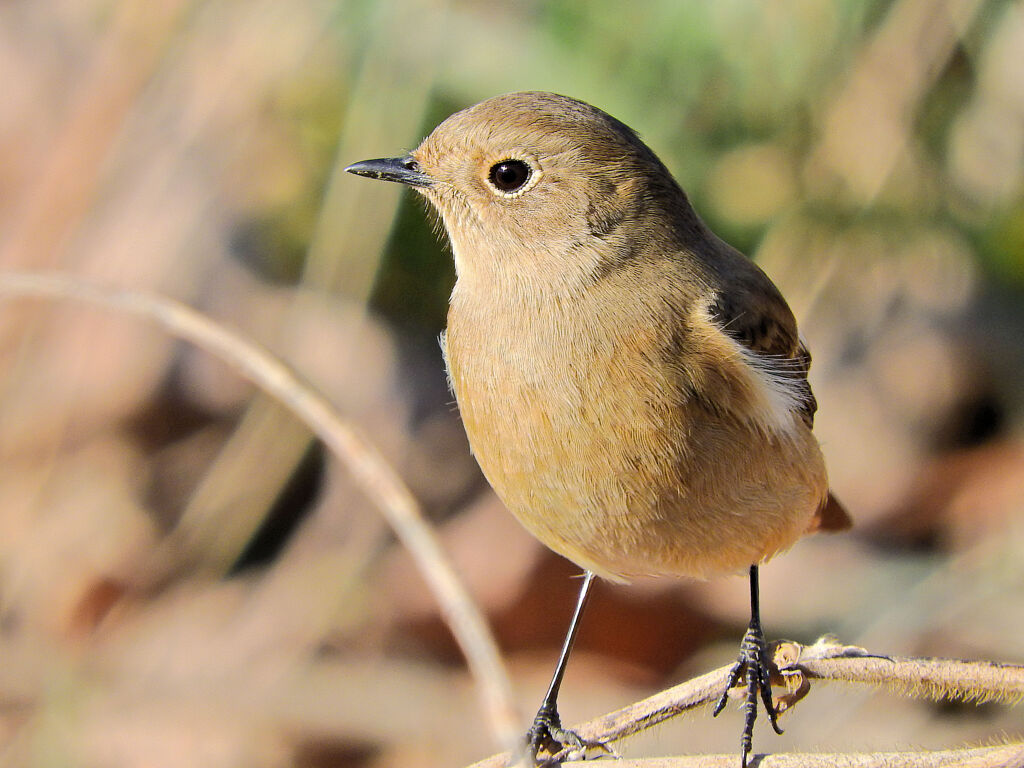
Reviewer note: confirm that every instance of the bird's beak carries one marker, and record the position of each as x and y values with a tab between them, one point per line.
404	170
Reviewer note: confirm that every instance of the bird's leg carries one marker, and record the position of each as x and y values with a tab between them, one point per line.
753	660
547	732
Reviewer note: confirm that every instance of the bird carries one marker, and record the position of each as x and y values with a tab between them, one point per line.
633	388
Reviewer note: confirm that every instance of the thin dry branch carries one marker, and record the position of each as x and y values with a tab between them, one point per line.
919	677
369	468
983	757
798	664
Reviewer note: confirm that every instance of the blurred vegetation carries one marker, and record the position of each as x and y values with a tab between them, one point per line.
733	96
870	155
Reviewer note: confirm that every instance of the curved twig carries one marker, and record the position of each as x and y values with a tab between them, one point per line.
368	467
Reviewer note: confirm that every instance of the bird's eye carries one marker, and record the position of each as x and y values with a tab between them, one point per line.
510	176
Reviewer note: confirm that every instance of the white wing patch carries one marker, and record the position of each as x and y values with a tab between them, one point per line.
778	397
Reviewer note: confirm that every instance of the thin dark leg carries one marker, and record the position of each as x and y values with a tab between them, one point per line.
546	731
753	660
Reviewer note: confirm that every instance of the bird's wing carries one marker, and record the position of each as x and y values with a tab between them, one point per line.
751	311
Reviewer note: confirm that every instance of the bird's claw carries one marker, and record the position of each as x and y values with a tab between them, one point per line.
753	661
548	743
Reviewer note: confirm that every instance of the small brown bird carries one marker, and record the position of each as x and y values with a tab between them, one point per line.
634	388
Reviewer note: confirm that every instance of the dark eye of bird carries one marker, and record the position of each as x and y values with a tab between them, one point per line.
509	175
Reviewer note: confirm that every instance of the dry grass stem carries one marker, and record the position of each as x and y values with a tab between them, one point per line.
348	241
373	473
884	91
825	660
969	681
983	757
64	188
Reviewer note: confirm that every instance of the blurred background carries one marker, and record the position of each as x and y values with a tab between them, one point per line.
186	579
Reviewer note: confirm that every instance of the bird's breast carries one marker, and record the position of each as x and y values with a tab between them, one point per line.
591	431
571	422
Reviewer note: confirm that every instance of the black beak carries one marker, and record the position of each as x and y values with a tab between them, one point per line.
404	170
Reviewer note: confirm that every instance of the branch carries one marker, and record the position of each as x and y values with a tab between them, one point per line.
983	757
797	665
918	677
369	468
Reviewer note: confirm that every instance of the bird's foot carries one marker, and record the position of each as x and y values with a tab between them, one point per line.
548	743
754	662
